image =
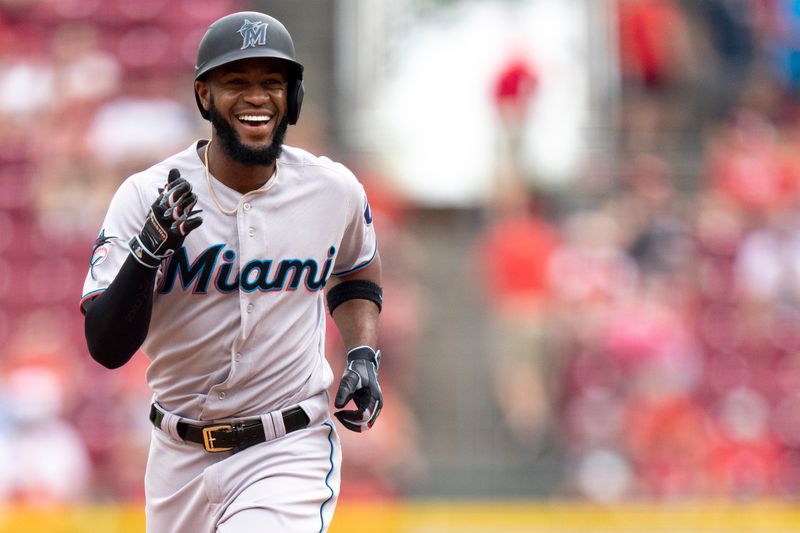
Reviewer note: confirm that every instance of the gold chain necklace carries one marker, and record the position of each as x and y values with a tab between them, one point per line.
233	211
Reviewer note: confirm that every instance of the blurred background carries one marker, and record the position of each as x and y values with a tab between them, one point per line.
588	217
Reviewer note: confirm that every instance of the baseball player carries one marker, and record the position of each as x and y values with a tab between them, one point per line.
218	262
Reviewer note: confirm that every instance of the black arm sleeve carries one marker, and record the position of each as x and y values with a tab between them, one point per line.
117	321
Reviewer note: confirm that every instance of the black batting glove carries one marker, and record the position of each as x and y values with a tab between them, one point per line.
169	221
360	384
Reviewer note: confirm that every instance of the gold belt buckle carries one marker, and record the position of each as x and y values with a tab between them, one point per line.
208	439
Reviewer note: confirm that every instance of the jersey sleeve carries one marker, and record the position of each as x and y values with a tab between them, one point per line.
359	245
124	219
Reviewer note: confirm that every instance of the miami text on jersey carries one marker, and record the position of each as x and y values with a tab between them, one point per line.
258	275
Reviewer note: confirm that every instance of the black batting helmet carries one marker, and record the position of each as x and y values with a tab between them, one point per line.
250	34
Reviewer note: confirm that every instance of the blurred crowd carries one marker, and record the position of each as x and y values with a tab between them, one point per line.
90	92
648	317
644	318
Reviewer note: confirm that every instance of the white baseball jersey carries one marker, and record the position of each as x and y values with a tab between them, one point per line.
238	323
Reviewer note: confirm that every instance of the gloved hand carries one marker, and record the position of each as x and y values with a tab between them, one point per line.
169	221
360	383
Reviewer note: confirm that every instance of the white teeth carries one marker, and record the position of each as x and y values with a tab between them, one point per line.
254	118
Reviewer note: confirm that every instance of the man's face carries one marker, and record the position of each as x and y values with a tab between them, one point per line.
247	103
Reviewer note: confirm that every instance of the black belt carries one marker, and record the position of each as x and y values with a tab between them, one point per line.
234	436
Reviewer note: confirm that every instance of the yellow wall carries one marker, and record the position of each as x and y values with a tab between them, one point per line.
464	517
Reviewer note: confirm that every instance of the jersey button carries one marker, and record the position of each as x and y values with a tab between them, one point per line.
249	308
251	232
246	207
238	356
222	395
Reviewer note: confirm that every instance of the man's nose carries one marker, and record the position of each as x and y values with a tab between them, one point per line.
256	95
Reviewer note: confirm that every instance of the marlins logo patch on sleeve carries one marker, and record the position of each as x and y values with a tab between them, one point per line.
100	250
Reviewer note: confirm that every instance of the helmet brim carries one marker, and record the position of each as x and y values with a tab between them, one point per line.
238	55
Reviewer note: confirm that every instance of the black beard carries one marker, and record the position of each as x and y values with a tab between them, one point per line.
239	152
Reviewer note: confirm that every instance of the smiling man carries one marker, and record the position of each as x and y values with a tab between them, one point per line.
217	263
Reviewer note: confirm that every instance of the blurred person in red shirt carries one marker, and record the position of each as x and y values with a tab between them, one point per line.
657	61
745	164
667	441
744	459
514	252
512	256
647	29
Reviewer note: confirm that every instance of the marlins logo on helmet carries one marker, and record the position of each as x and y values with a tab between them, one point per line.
253	33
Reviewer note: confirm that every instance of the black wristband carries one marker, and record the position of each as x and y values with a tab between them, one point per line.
140	252
353	289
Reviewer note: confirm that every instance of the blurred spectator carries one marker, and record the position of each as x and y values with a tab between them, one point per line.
78	57
514	253
513	256
733	27
71	194
767	264
655	50
744	459
651	212
44	458
27	78
590	269
667	439
117	445
45	461
142	121
744	163
515	87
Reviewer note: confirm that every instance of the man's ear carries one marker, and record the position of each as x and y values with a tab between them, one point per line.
203	93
